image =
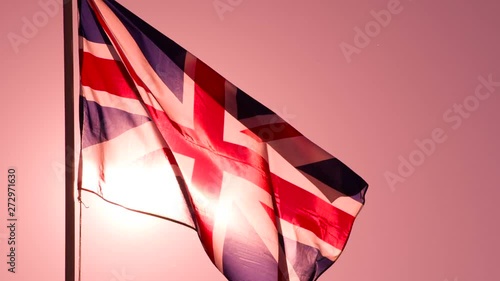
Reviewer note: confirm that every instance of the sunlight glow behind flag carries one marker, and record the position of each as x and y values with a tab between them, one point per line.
163	133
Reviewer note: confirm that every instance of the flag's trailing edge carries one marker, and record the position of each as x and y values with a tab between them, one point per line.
163	133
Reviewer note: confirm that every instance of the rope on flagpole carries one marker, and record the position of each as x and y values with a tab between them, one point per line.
80	237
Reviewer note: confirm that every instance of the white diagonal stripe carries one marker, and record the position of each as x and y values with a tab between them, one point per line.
307	237
106	99
180	112
99	50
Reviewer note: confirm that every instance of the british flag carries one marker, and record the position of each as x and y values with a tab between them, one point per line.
164	134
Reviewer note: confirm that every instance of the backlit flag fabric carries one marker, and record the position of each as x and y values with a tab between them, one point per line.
163	133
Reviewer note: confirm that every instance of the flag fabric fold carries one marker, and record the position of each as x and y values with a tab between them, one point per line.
163	133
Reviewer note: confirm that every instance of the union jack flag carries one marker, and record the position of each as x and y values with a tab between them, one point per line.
164	134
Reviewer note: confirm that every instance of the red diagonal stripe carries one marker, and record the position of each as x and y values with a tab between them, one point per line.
306	210
210	81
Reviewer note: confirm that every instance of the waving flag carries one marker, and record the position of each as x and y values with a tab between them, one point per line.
163	133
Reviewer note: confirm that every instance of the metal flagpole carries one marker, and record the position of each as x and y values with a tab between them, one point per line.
69	141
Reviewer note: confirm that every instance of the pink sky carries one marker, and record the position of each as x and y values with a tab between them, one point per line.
372	101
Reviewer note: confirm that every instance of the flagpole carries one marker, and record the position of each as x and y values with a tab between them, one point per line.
69	141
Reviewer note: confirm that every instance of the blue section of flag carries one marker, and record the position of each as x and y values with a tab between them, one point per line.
165	56
89	27
249	107
308	255
240	261
334	173
104	123
322	264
